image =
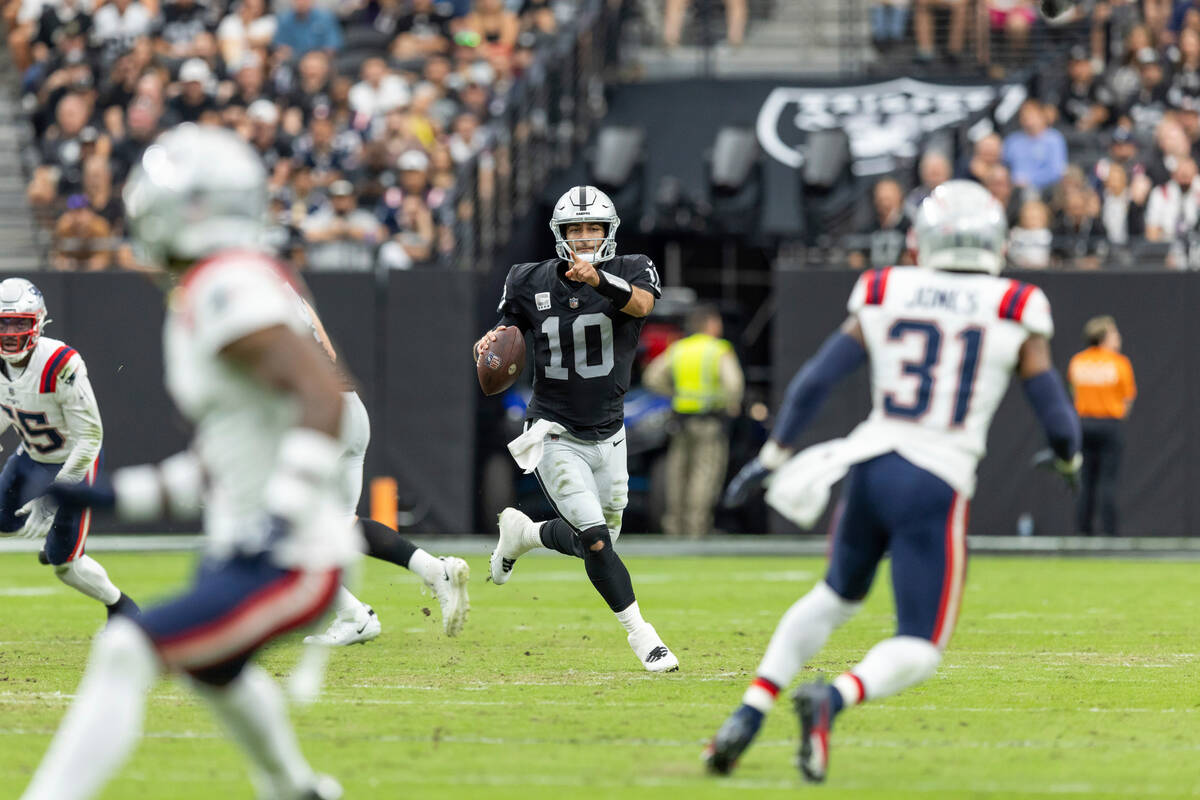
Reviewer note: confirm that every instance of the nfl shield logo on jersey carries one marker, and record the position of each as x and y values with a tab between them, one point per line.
573	302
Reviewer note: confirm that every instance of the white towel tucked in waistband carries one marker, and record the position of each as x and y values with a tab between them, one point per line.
526	449
799	490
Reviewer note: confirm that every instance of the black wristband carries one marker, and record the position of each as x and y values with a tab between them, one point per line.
616	290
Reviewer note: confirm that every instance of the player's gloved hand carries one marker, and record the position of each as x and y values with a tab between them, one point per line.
1068	470
748	479
75	496
39	516
751	476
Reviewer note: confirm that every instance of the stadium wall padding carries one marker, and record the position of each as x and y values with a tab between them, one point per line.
1157	317
404	341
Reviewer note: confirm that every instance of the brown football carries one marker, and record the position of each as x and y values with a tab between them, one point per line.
499	366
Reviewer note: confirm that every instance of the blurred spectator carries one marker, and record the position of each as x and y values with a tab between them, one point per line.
1011	21
62	152
882	242
1126	78
405	210
1174	207
923	28
330	155
249	83
933	170
193	101
1036	154
1171	146
141	127
264	136
1122	152
82	239
1029	243
673	13
1123	206
1079	236
98	187
304	29
341	236
1086	102
468	138
423	29
985	155
1146	106
178	27
117	24
889	23
1185	78
379	91
999	183
311	91
247	29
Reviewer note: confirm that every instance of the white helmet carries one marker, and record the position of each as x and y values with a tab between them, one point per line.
196	190
961	226
585	204
22	317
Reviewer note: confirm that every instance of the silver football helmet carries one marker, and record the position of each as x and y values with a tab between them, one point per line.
585	204
960	226
22	318
197	190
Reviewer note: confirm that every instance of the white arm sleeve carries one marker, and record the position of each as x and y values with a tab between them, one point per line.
82	413
1036	316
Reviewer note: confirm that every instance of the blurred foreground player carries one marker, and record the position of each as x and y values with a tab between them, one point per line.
942	340
45	395
267	406
354	621
585	322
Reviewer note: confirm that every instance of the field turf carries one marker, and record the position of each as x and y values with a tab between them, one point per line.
1066	678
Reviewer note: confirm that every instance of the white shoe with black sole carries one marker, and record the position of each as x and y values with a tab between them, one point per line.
451	593
349	630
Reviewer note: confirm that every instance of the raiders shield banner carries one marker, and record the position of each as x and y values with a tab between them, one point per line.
885	122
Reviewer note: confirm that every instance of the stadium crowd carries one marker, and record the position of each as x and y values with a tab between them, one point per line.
363	110
1099	167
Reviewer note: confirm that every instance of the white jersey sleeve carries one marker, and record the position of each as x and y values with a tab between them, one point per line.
75	396
1031	308
236	297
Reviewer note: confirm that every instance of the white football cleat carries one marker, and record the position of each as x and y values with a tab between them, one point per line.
451	593
349	630
515	533
651	651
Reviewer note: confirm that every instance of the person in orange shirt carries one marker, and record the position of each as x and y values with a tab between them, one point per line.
1102	382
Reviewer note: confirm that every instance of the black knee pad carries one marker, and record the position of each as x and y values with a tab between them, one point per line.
590	536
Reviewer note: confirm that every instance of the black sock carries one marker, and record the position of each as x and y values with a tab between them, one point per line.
558	535
124	605
386	544
605	568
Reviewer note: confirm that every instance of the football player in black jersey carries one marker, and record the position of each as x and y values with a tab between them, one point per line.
585	309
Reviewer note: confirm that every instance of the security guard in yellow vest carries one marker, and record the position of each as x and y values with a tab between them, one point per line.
702	376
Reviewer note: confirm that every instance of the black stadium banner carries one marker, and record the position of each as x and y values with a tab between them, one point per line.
885	122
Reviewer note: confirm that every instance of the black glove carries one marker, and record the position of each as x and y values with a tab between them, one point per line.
748	479
1067	470
75	496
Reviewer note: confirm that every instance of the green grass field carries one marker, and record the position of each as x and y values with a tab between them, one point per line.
1066	678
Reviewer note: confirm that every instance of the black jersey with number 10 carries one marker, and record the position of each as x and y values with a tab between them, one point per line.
583	346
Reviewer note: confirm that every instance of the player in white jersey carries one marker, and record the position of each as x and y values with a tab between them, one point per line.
267	410
45	395
354	621
942	340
